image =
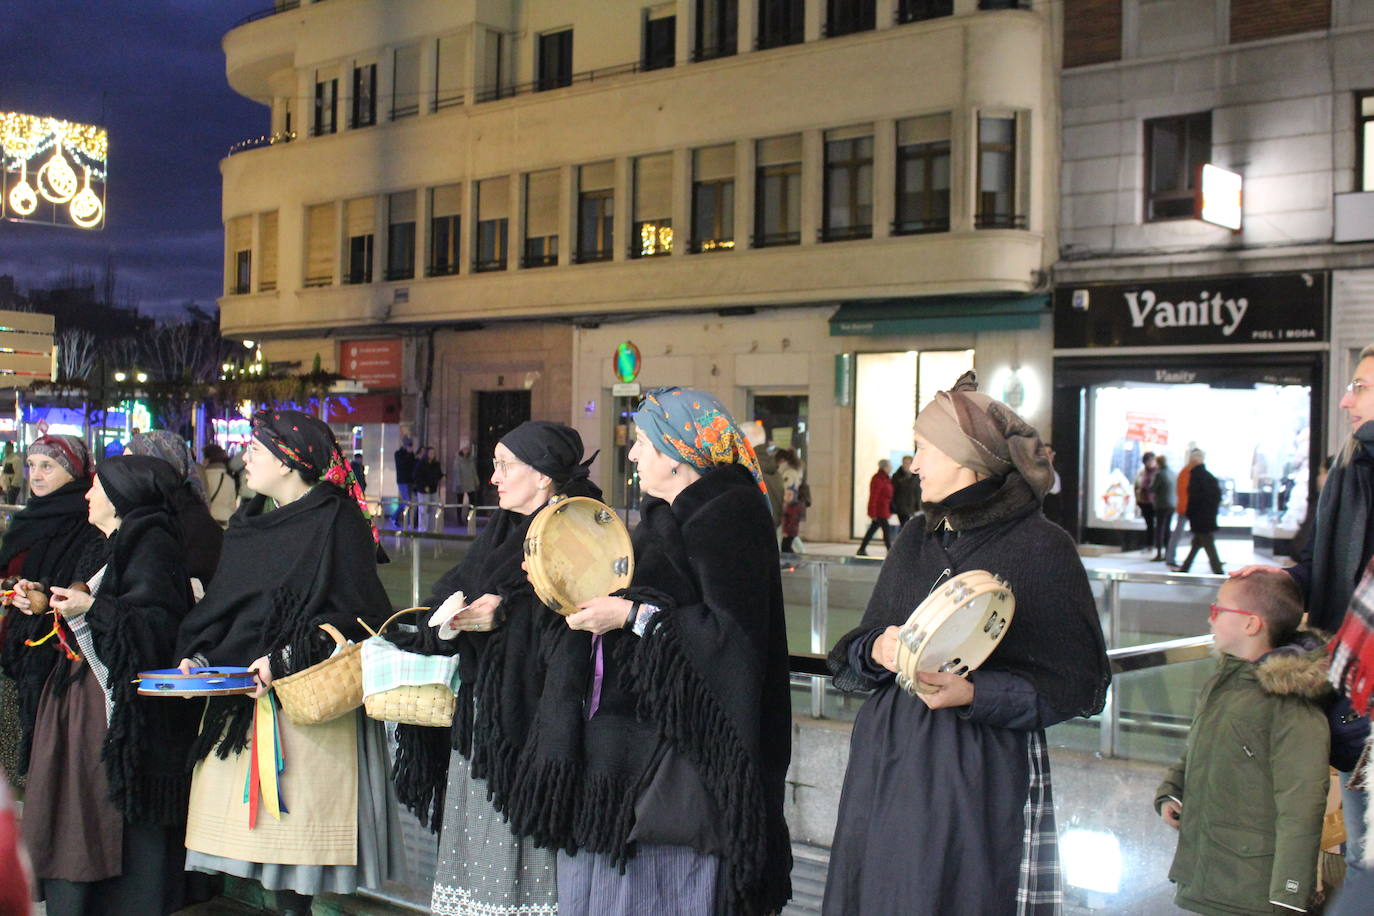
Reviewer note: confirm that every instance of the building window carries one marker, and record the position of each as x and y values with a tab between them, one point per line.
267	252
653	206
326	106
781	22
845	17
495	82
848	184
321	245
359	222
595	208
364	95
1004	4
493	222
918	10
922	175
1364	141
448	72
777	191
400	236
555	60
717	27
1176	149
660	38
445	229
998	195
541	218
405	83
243	272
713	198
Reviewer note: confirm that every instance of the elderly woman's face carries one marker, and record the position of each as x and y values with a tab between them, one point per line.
46	475
655	468
519	487
99	510
940	474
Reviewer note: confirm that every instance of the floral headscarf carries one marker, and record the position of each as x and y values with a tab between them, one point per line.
692	425
171	448
305	444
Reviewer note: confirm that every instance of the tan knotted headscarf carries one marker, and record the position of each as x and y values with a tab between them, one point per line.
985	435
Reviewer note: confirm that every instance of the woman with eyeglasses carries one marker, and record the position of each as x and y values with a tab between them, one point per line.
459	780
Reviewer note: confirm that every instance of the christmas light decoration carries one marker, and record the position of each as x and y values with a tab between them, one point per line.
52	171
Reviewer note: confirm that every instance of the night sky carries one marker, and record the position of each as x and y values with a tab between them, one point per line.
151	71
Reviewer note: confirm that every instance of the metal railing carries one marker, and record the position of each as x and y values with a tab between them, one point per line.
281	6
494	93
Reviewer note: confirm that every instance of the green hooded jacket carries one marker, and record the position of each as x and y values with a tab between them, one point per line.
1253	784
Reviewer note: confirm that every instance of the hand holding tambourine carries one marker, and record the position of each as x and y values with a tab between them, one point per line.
950	633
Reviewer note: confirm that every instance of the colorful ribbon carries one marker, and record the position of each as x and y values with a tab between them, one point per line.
61	637
265	763
598	673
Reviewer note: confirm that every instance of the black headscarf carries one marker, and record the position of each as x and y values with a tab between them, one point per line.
550	448
502	671
137	482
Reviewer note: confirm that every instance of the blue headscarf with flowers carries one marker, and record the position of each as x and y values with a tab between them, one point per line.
694	427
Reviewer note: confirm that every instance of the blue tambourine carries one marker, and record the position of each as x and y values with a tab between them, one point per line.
201	682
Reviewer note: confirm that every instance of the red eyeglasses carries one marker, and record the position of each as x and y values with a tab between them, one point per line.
1217	609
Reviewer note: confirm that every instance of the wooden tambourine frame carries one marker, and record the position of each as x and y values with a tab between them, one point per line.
577	549
955	628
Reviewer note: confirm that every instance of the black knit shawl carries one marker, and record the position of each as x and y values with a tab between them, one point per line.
142	599
51	534
1342	535
1054	640
502	671
709	680
282	573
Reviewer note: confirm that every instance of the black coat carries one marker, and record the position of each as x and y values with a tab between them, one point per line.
906	492
1204	500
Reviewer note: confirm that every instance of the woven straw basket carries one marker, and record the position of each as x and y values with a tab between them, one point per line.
412	704
326	690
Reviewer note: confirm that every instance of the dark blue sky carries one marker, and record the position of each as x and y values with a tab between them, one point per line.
152	71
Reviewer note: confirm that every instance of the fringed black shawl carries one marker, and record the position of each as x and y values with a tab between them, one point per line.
142	598
46	540
707	682
282	573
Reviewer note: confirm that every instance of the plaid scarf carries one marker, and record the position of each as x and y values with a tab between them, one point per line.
1352	651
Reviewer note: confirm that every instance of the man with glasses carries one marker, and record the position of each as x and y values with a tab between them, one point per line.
1249	795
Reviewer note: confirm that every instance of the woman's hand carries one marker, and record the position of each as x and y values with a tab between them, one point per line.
949	690
262	672
70	602
480	615
884	650
186	666
601	615
21	598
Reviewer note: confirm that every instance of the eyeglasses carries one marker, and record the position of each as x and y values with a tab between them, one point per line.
1356	387
503	467
1217	609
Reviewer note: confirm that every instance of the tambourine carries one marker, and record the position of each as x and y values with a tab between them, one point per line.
954	629
577	549
201	682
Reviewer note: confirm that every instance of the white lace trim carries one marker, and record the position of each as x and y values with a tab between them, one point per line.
458	901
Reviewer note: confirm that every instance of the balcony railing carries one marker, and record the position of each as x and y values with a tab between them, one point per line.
921	10
442	270
281	6
281	136
318	281
845	233
493	93
774	239
998	221
920	226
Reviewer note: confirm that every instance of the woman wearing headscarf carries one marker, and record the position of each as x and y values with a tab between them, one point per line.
107	784
661	753
202	534
301	554
463	777
946	806
44	546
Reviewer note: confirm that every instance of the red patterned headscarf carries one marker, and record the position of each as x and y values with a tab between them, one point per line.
303	443
695	427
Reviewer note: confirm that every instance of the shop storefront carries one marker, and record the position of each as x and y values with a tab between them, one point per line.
1234	366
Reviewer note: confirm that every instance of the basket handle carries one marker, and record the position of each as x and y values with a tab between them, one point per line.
382	629
334	632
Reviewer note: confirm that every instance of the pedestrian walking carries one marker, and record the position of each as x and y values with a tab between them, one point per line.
879	507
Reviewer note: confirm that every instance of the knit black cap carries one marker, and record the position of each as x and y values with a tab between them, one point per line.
550	448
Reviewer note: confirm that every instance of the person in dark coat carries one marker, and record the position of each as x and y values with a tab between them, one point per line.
677	737
879	507
49	542
906	491
946	806
404	461
461	780
1162	488
106	799
203	535
1204	502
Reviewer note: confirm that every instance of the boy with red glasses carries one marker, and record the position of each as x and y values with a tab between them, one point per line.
1248	796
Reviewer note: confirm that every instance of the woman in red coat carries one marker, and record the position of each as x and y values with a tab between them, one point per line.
879	507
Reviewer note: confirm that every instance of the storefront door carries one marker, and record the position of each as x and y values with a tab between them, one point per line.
498	412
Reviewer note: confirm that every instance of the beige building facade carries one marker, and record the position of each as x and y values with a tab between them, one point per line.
816	209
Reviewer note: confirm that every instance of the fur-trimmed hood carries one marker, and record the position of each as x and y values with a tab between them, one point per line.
1297	668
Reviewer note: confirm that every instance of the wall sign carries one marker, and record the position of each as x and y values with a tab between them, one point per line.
1259	308
627	362
53	171
375	363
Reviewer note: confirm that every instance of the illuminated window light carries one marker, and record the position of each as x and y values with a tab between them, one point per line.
655	239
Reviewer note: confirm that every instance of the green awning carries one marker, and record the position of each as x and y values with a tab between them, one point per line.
937	315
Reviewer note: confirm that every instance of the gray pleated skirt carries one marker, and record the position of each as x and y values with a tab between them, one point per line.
658	880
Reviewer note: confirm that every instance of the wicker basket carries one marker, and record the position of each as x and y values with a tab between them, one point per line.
326	690
411	704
